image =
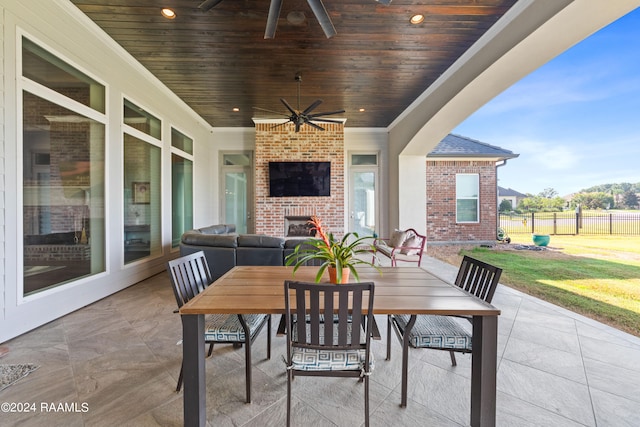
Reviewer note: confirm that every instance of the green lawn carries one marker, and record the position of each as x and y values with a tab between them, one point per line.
597	276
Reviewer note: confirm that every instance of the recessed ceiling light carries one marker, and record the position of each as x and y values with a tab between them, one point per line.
362	110
235	109
417	19
168	13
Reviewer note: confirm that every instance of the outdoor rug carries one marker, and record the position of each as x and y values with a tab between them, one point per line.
10	374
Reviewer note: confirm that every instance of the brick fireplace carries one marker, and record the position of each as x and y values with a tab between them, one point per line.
275	214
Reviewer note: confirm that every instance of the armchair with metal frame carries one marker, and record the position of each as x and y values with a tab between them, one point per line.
444	332
337	349
190	275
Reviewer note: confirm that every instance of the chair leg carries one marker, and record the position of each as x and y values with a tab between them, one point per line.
179	386
389	326
453	358
210	350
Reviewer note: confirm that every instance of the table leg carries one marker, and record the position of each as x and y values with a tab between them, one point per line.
193	370
405	359
483	371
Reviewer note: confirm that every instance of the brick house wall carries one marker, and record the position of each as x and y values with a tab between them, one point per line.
284	144
441	202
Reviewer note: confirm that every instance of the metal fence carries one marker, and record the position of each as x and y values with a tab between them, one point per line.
621	223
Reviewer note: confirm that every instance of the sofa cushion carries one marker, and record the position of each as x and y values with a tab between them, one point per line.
201	239
292	242
260	241
218	229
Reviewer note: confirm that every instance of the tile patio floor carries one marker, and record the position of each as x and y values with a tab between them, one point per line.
119	356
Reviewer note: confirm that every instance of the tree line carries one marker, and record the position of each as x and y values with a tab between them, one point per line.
607	196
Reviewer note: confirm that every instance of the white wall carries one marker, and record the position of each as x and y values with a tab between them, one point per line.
69	34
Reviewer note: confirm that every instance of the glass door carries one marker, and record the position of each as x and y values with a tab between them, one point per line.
363	194
237	202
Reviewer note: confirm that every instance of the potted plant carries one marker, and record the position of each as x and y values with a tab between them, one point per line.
340	257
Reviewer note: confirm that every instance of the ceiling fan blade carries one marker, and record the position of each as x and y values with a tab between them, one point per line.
279	124
312	107
328	113
286	104
272	19
207	5
319	119
323	17
315	125
271	111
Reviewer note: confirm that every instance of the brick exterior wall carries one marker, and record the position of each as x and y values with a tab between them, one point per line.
441	202
284	144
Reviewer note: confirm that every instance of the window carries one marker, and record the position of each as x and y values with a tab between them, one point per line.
44	68
467	198
140	119
63	182
181	141
141	199
181	187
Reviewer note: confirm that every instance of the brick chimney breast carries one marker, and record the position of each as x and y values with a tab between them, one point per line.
283	144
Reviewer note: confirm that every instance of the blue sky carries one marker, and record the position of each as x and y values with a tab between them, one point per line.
575	121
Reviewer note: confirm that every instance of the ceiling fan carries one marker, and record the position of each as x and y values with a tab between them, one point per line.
299	117
317	8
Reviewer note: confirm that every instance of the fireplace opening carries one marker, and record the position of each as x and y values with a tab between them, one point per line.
298	226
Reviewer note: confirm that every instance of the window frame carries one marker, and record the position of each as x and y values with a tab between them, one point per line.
459	176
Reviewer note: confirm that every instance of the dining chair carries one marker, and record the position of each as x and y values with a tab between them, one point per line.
444	332
333	349
190	275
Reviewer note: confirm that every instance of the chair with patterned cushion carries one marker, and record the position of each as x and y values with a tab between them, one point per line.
444	332
403	245
190	275
340	350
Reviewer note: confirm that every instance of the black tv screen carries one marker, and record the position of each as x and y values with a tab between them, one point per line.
289	179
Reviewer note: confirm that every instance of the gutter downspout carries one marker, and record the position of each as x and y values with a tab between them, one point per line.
498	165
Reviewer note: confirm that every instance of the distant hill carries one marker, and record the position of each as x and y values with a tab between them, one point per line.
613	188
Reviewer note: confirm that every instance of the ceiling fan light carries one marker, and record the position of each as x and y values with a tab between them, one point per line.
416	19
168	13
296	18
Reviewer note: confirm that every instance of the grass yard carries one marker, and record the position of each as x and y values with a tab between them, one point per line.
596	276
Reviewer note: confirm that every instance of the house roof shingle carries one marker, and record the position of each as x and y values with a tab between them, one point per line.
508	192
460	146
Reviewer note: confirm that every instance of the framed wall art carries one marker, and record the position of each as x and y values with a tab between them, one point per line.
141	193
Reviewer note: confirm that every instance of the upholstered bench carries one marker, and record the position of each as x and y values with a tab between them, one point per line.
404	245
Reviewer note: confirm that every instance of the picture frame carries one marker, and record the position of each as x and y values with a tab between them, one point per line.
141	193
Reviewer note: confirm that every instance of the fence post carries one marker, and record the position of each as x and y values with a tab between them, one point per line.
610	223
533	222
577	223
555	223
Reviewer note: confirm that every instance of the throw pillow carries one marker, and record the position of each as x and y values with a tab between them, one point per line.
397	238
411	245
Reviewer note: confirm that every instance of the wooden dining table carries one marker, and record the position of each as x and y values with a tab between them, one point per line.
398	290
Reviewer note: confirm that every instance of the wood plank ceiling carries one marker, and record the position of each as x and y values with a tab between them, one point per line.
219	60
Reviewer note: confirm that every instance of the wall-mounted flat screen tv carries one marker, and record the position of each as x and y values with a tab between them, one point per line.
290	179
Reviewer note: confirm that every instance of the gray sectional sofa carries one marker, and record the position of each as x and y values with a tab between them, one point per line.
224	248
